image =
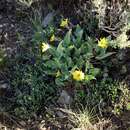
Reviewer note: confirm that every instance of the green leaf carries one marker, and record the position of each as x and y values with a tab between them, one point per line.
78	29
60	50
67	38
101	57
53	64
94	71
59	82
38	37
64	68
69	62
52	51
88	65
74	68
79	34
89	77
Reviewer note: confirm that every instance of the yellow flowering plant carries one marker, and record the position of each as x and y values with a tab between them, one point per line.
58	73
71	59
52	38
103	43
78	75
64	23
44	47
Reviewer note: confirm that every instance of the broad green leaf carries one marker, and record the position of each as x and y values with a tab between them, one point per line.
38	38
64	68
60	50
52	51
94	71
78	29
69	62
88	65
67	38
52	64
89	77
79	34
74	68
105	55
59	82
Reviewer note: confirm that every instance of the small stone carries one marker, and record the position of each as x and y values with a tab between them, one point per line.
23	123
65	98
60	114
4	87
69	126
123	69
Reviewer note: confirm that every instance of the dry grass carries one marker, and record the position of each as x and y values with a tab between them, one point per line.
86	120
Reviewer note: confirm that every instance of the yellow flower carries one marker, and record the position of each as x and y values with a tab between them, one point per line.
58	73
45	47
64	23
78	75
103	43
52	39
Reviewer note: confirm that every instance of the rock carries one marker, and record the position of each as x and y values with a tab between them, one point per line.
4	87
121	55
60	114
123	70
128	80
70	126
65	98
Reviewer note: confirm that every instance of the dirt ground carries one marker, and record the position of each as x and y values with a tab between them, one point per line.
11	24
